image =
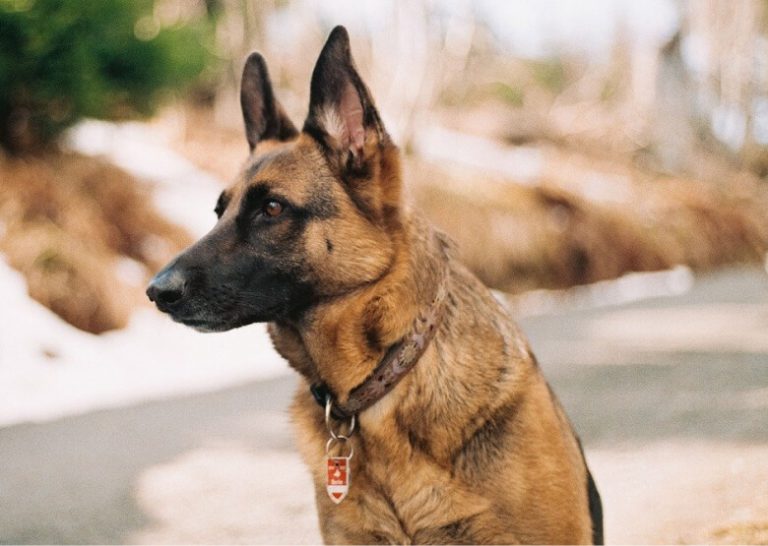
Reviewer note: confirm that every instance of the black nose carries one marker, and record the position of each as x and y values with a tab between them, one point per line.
167	287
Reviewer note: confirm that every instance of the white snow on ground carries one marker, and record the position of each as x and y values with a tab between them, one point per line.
628	288
440	145
48	369
182	192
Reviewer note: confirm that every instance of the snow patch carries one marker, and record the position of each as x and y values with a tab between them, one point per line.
629	288
524	163
182	193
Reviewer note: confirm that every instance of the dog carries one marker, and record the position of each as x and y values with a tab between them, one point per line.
423	415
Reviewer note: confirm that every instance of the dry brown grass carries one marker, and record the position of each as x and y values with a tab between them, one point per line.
544	236
68	220
752	532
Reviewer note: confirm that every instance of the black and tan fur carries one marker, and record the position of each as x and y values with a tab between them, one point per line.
313	237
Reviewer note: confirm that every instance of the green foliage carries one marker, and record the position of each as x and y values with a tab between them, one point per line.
62	60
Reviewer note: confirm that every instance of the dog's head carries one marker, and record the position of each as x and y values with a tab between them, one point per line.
312	215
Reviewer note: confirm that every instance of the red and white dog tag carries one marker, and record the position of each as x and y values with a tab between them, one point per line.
337	483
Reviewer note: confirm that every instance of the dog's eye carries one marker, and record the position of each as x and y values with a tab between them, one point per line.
272	208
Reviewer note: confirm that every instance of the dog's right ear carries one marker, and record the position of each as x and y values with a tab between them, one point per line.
263	115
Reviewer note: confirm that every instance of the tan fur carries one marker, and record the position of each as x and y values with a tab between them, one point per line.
410	479
421	473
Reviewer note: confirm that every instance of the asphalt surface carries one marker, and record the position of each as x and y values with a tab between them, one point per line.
670	397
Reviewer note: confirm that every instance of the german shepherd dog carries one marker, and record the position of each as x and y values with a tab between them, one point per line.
461	440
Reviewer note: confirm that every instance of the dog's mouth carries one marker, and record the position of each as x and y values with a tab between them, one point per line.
209	320
204	322
193	316
201	325
187	307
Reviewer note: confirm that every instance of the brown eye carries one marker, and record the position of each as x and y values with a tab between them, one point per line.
272	208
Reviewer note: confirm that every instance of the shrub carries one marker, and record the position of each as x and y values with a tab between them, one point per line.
62	60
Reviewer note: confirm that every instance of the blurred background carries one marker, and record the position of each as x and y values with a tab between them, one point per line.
601	164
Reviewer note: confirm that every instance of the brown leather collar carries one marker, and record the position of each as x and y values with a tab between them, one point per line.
397	362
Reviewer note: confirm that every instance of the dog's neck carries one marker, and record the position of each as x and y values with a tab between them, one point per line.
339	343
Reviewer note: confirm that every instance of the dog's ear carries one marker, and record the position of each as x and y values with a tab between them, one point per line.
342	116
263	115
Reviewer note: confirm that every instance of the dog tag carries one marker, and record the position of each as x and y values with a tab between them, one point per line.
338	478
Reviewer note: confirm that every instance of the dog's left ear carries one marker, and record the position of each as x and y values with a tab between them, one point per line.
342	116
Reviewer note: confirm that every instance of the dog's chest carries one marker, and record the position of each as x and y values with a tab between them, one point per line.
398	494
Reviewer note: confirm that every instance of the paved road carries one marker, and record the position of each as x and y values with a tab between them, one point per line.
670	397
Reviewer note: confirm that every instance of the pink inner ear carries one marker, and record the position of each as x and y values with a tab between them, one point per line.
351	111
